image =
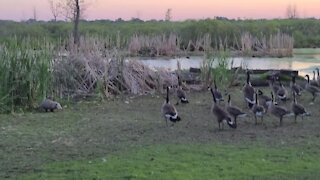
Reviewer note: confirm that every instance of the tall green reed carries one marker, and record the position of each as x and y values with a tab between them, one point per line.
215	66
25	73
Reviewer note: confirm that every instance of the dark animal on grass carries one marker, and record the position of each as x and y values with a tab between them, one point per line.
274	87
234	111
313	90
50	105
258	110
295	88
298	109
181	94
217	93
282	92
221	115
248	92
278	111
264	100
168	111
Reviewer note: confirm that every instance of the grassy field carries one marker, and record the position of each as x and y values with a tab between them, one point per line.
126	138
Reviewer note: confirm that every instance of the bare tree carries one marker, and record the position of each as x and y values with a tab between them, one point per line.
168	15
55	8
72	10
34	14
292	12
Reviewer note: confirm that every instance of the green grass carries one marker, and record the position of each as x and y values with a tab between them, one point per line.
127	138
190	161
306	51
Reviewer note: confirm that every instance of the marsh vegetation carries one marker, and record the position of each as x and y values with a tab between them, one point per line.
111	122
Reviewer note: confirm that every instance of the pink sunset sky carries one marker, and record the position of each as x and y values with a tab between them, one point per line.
155	9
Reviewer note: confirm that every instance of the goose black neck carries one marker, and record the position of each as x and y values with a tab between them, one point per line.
272	98
229	99
314	74
293	79
167	98
280	82
248	77
318	72
179	81
294	98
214	98
256	94
215	84
308	78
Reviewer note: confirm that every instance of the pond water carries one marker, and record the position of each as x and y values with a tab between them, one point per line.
303	60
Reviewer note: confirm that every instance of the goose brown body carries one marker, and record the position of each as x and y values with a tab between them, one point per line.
298	109
220	113
258	110
313	90
168	111
248	92
278	111
234	111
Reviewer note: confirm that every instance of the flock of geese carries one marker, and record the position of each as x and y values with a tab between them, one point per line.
256	101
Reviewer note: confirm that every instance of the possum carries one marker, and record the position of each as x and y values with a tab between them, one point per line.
48	104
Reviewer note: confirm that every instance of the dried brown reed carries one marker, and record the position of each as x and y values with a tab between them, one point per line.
154	45
277	45
85	71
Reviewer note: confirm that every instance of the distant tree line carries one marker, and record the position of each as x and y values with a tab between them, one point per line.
306	32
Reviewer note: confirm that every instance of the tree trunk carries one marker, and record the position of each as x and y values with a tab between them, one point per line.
76	22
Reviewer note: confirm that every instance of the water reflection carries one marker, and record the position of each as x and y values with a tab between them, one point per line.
304	63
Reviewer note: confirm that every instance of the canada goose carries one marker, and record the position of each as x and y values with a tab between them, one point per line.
295	88
221	114
49	104
248	92
168	111
315	91
298	109
318	75
217	94
314	81
257	109
234	110
282	92
181	94
264	99
278	111
274	87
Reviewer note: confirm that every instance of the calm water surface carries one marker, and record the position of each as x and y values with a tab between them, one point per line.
303	61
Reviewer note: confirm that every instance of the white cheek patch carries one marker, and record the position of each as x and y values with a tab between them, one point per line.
248	100
183	99
242	115
230	122
167	115
282	97
59	106
259	114
170	116
175	116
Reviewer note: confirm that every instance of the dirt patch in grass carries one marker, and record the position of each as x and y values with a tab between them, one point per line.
89	130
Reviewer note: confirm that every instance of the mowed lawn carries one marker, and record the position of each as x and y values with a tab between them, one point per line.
126	138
